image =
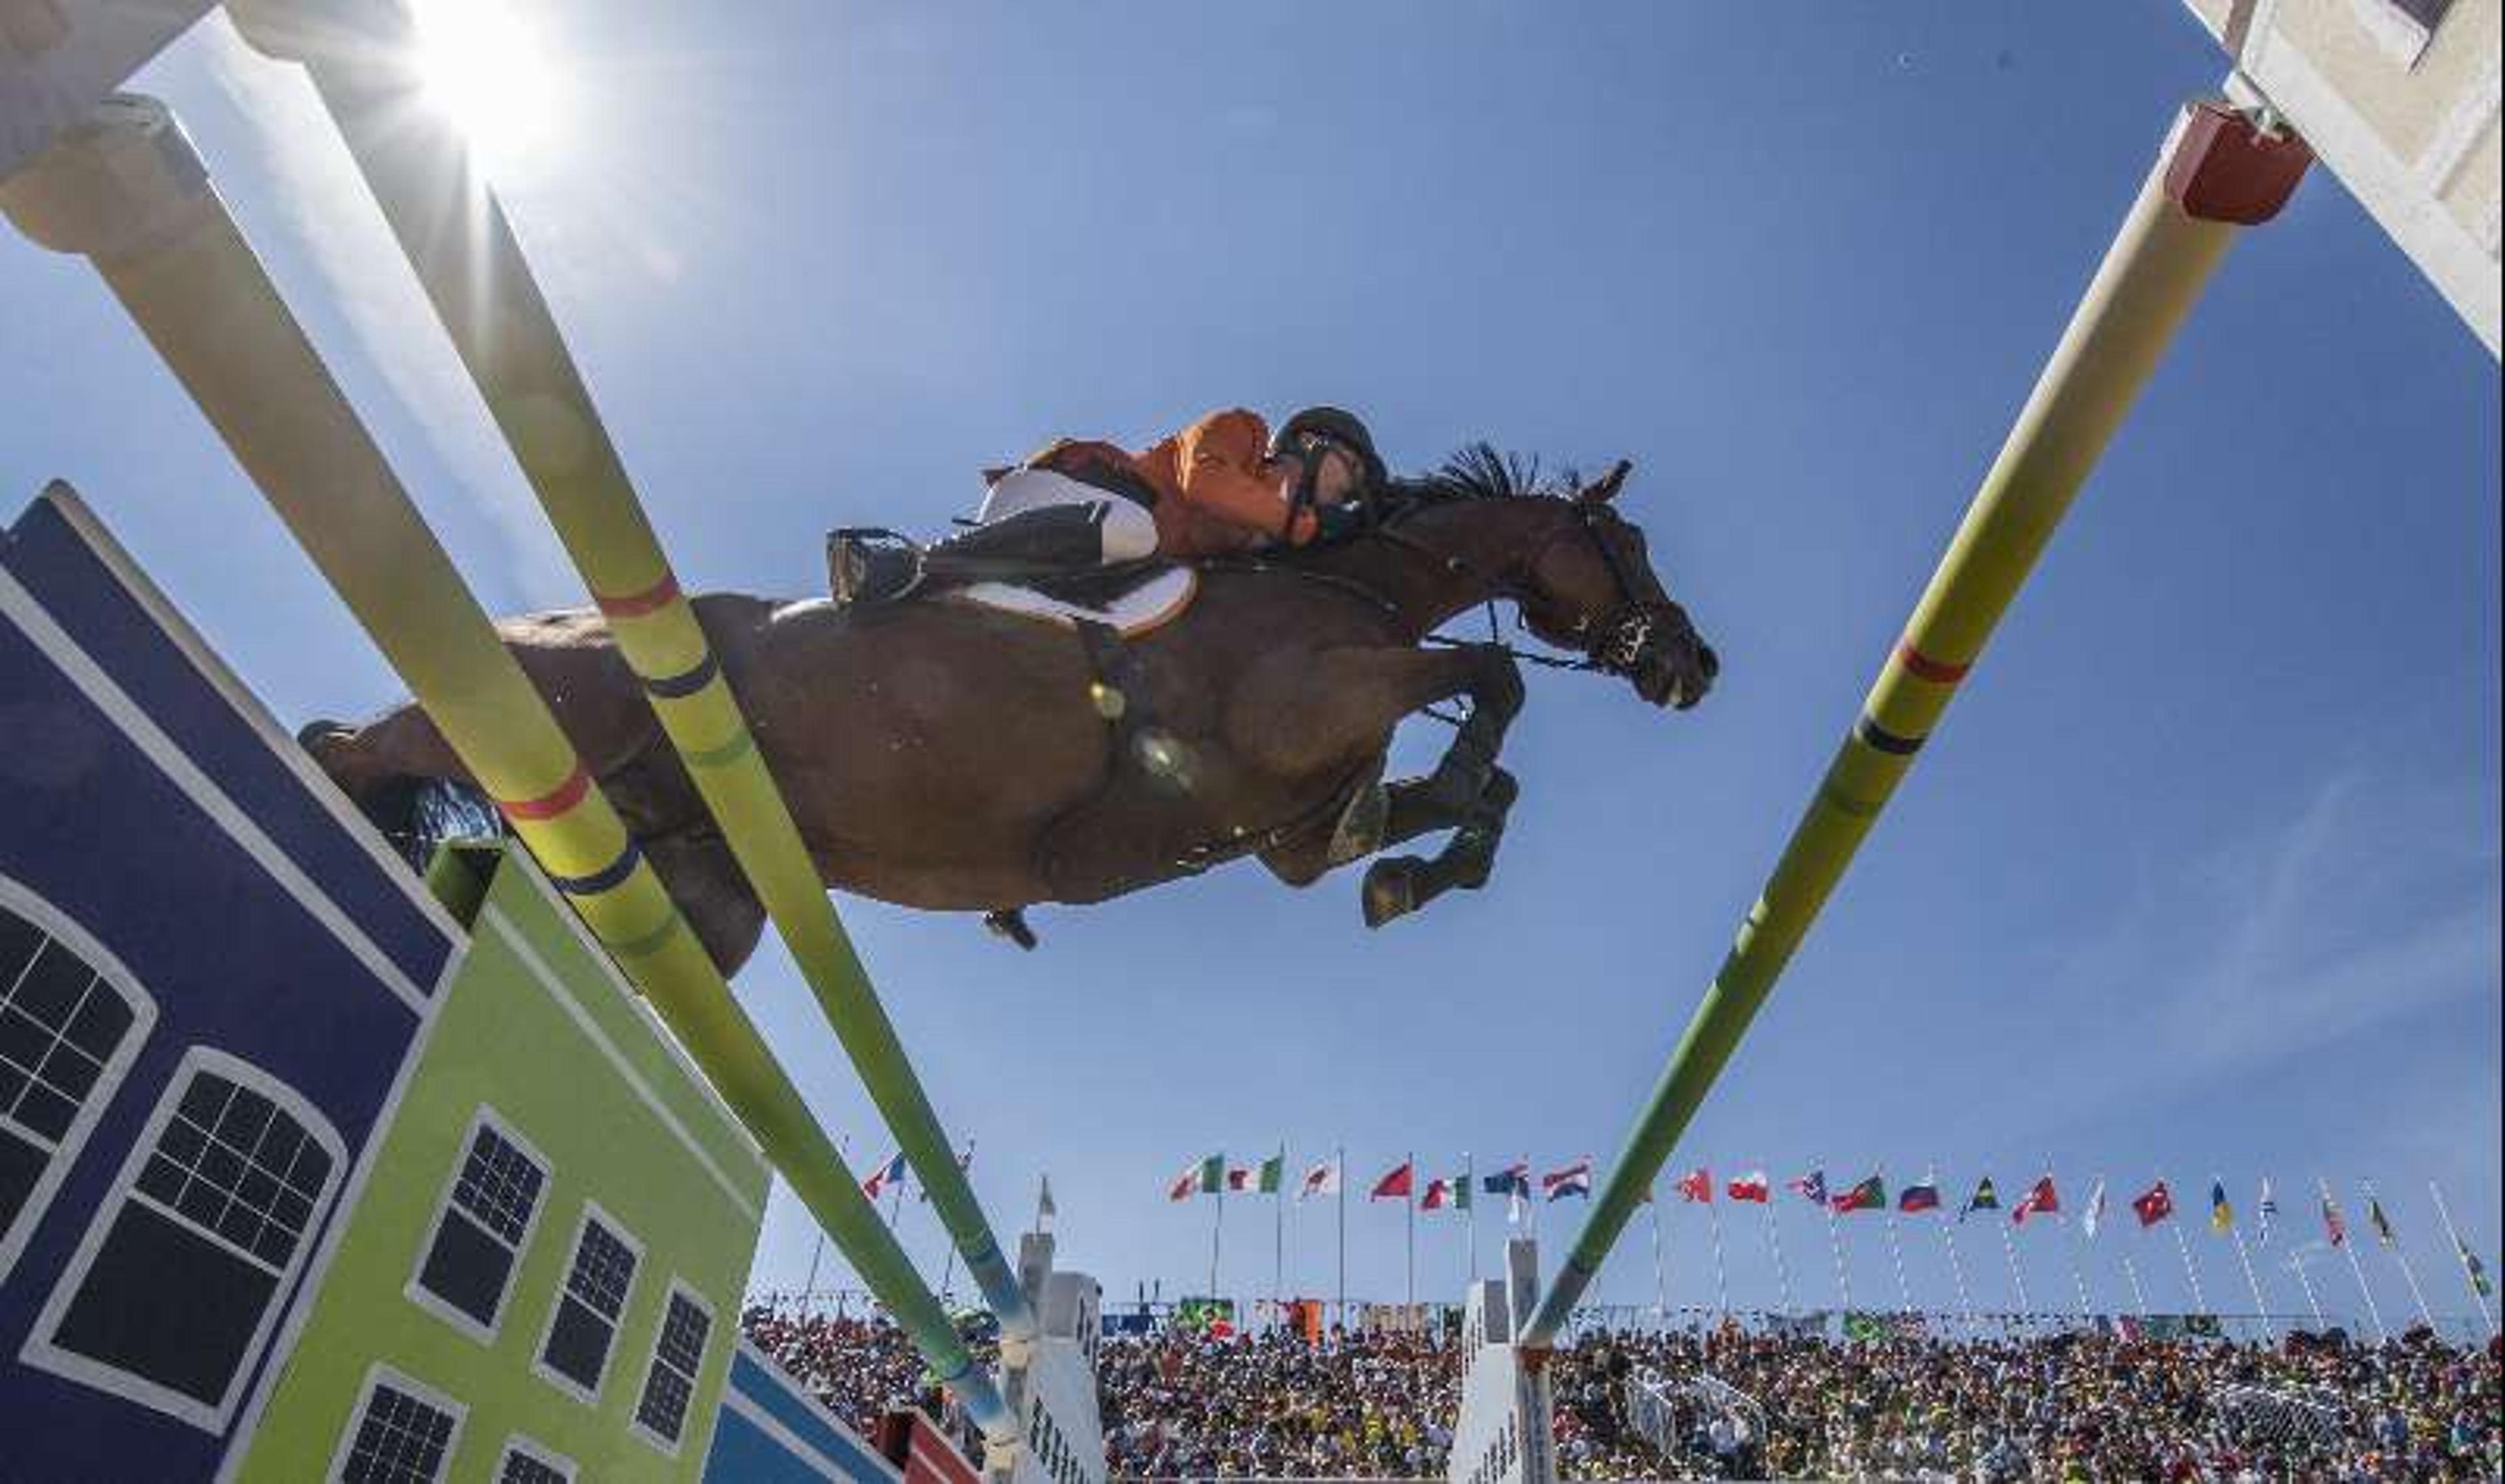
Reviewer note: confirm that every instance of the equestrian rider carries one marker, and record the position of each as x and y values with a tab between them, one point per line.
1222	485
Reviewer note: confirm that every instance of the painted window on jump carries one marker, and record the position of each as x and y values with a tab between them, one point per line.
583	1329
176	1286
402	1434
527	1462
486	1219
677	1355
69	1025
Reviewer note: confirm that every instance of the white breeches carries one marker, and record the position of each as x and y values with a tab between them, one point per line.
1130	531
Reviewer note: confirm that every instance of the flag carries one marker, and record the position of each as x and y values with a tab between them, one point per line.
1750	1186
2154	1205
1461	1191
1201	1176
1985	1198
1812	1186
2094	1215
1439	1194
2470	1264
886	1175
2039	1200
2381	1223
1697	1185
1322	1180
1394	1186
2334	1229
1240	1178
1869	1196
1923	1195
2263	1210
1512	1180
1574	1180
2222	1216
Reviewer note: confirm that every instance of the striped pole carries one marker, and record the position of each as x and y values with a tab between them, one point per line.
2218	172
454	232
126	189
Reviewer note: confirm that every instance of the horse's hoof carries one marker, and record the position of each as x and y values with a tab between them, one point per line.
1391	890
1012	924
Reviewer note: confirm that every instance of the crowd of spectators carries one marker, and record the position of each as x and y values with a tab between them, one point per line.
2077	1406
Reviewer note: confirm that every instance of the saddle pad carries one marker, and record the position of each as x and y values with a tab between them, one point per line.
1146	607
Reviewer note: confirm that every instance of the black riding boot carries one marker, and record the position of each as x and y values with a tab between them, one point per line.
1046	542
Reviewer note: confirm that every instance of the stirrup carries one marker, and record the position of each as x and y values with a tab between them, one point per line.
869	564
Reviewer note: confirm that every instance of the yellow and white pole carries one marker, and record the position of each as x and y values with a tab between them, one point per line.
126	191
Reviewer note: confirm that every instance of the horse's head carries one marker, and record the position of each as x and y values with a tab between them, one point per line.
1590	586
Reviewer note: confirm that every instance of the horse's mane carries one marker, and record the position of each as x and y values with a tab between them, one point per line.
1478	472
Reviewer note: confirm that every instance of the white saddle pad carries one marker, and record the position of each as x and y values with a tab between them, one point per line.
1152	602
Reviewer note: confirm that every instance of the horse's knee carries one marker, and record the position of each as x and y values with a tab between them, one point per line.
1501	689
712	894
1297	865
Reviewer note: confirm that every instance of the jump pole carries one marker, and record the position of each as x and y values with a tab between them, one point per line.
2219	170
126	191
360	54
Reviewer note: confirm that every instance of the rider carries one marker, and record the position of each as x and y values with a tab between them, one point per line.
1222	485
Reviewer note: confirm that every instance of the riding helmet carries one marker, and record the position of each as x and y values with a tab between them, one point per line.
1340	427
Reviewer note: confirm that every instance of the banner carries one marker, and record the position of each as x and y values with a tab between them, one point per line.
1208	1316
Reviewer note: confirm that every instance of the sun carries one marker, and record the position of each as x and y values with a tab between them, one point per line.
483	69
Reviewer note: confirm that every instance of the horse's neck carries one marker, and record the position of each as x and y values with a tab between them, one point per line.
1446	559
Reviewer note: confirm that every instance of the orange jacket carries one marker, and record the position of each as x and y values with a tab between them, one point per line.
1216	488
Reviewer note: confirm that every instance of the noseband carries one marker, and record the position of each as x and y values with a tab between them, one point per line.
1616	640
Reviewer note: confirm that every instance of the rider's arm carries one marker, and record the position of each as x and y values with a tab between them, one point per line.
1223	463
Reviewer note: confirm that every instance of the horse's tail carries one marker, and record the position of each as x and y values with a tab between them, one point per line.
416	815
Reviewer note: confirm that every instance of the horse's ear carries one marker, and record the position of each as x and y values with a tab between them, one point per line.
1603	490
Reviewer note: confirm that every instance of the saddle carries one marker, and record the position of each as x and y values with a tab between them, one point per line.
1129	598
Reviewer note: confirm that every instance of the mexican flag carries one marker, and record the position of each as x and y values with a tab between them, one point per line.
1258	1180
1202	1175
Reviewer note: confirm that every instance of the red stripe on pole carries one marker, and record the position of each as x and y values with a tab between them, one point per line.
1923	667
556	801
635	605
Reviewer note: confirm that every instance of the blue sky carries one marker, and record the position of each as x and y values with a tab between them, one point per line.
2200	876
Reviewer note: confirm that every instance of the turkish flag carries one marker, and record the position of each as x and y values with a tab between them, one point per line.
2154	1205
1393	1186
1696	1185
1750	1186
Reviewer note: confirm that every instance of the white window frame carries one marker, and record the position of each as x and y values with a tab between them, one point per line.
383	1375
415	1289
58	926
42	1354
591	1211
537	1452
677	1288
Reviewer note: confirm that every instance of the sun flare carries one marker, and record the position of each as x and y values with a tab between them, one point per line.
485	71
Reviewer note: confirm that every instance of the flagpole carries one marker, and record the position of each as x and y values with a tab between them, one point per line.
2070	1251
2399	1257
1721	1282
1216	1226
2305	1281
2374	1311
2009	1249
2236	1229
1409	1207
2138	1294
1470	1209
2461	1259
2191	1275
1897	1252
1279	1231
1660	1288
1339	1166
1775	1240
1956	1268
1835	1240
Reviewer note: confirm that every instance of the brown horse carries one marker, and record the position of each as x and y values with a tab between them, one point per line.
945	755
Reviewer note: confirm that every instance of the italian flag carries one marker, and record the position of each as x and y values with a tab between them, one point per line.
1201	1176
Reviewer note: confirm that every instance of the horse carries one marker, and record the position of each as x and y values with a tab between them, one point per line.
941	754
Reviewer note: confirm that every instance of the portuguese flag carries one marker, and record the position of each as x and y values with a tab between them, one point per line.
1869	1196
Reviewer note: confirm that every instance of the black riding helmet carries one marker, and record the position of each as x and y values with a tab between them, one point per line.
1341	427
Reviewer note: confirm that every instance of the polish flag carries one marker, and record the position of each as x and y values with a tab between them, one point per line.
1751	1187
1697	1185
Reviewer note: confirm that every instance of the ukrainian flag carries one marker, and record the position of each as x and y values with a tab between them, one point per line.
2222	1216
